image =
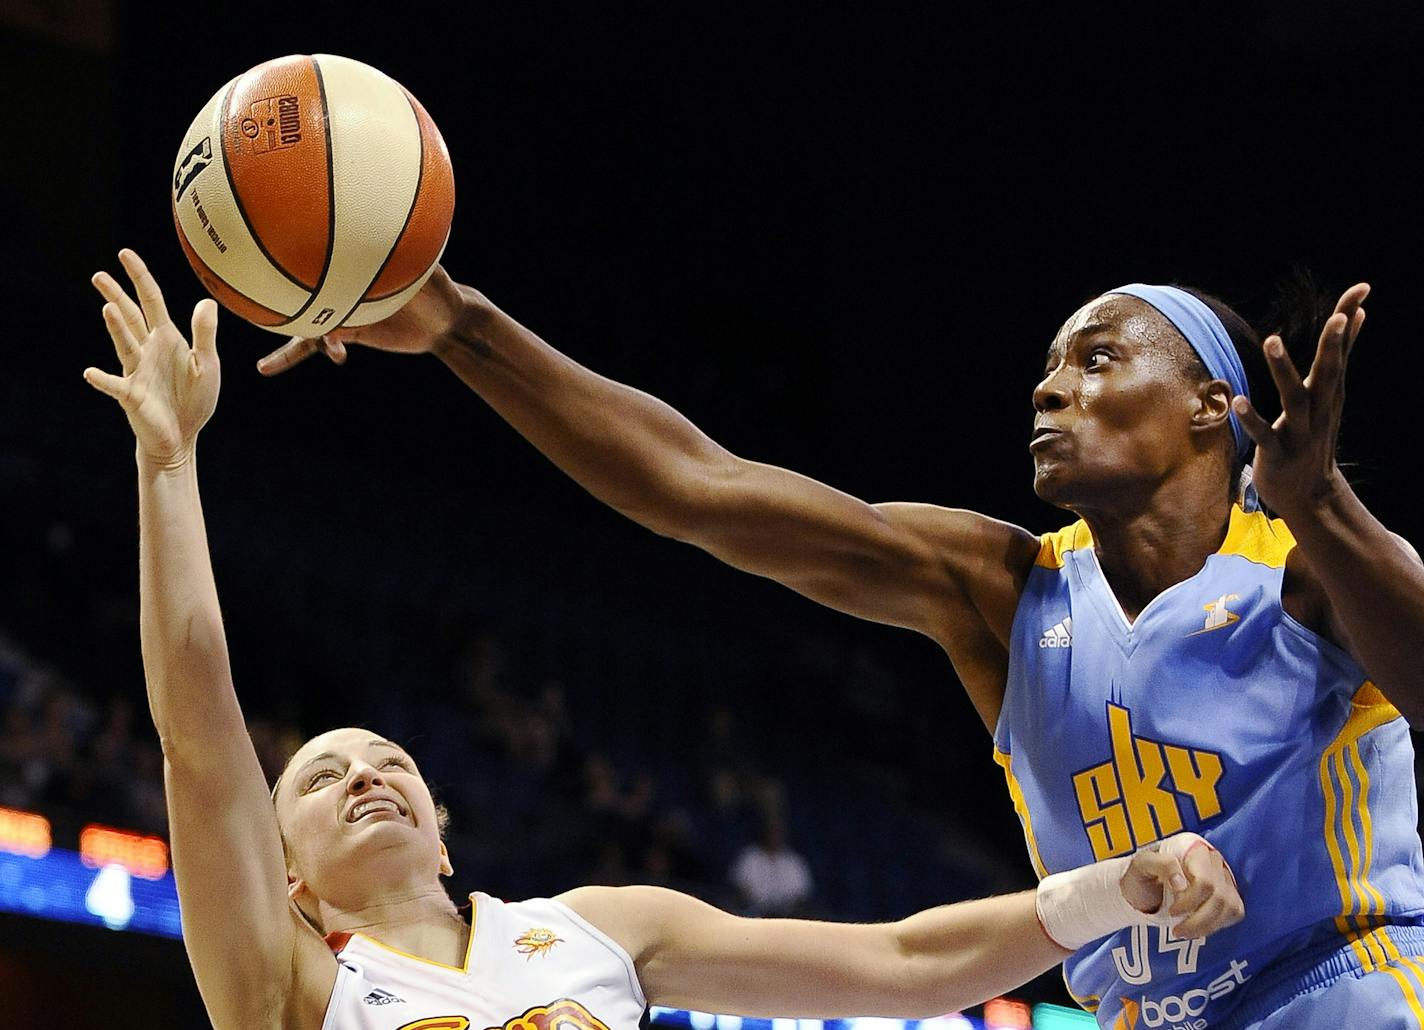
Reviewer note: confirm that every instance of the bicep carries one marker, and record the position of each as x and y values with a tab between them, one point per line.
231	876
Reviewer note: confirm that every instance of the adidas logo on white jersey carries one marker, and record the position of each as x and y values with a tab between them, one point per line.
1060	635
380	997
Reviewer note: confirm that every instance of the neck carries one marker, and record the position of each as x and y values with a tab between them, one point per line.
1158	543
422	922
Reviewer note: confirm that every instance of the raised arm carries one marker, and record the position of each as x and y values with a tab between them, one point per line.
1360	584
691	955
951	574
227	853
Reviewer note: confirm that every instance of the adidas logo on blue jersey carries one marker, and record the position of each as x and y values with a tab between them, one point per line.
380	997
1060	635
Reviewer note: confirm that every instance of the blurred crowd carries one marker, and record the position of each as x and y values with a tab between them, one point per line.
536	805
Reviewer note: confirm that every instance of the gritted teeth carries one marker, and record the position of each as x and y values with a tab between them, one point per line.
362	808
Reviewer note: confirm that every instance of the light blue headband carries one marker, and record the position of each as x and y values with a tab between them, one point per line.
1208	337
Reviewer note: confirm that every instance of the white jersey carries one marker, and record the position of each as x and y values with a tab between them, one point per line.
531	965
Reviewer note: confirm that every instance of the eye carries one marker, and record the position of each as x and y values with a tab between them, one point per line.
1092	361
321	777
396	761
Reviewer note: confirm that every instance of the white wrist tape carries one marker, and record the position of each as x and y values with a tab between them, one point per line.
1084	904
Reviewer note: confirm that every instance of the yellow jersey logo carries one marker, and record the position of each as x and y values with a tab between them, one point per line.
1217	614
1135	797
564	1014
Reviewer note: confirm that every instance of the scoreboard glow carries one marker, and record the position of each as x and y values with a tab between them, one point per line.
117	878
122	880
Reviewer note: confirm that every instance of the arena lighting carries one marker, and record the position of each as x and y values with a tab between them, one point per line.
24	833
142	855
1006	1014
1056	1017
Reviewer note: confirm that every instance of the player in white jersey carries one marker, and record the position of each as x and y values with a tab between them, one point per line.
321	905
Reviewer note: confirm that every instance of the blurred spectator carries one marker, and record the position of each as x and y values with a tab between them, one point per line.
772	879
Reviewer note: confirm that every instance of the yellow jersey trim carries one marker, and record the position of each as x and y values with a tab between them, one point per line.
1257	537
469	948
1361	905
1006	761
1053	546
1251	535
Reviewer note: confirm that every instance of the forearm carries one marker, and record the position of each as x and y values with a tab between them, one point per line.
960	955
630	450
1375	588
931	963
184	648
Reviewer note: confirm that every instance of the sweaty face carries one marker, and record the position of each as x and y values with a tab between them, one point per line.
357	817
1114	411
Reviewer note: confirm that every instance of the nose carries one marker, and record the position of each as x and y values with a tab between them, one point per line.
363	777
1051	394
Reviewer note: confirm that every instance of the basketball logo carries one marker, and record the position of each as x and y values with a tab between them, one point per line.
194	162
273	123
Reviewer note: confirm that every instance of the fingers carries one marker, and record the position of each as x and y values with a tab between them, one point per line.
1257	428
1212	901
293	352
150	297
111	291
1200	864
116	387
298	349
1217	914
1351	299
125	345
1356	324
205	328
1328	366
1295	398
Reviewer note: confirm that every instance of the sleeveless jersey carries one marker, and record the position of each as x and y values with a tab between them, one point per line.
531	965
1217	712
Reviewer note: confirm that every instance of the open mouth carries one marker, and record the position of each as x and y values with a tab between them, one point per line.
363	809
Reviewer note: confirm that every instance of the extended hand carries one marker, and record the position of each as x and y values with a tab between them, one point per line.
168	390
1295	456
411	330
1193	877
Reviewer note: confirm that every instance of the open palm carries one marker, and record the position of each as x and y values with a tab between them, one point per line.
168	389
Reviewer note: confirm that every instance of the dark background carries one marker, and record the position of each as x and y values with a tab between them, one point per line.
840	243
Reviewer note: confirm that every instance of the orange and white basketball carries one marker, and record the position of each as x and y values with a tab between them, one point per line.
313	192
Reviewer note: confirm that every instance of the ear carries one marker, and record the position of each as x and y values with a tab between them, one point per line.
446	869
1213	404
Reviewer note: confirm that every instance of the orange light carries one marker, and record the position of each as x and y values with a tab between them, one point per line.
144	856
1007	1014
24	833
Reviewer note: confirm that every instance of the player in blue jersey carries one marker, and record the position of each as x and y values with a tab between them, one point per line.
1175	658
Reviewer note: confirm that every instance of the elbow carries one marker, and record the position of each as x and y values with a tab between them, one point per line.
686	505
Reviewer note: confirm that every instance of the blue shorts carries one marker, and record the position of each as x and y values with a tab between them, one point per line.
1339	990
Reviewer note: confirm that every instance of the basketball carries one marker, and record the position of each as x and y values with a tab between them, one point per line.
313	192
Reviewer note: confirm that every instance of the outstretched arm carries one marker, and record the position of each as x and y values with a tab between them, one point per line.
227	853
1366	583
951	574
691	955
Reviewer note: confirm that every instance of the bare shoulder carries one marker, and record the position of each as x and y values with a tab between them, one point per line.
634	917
